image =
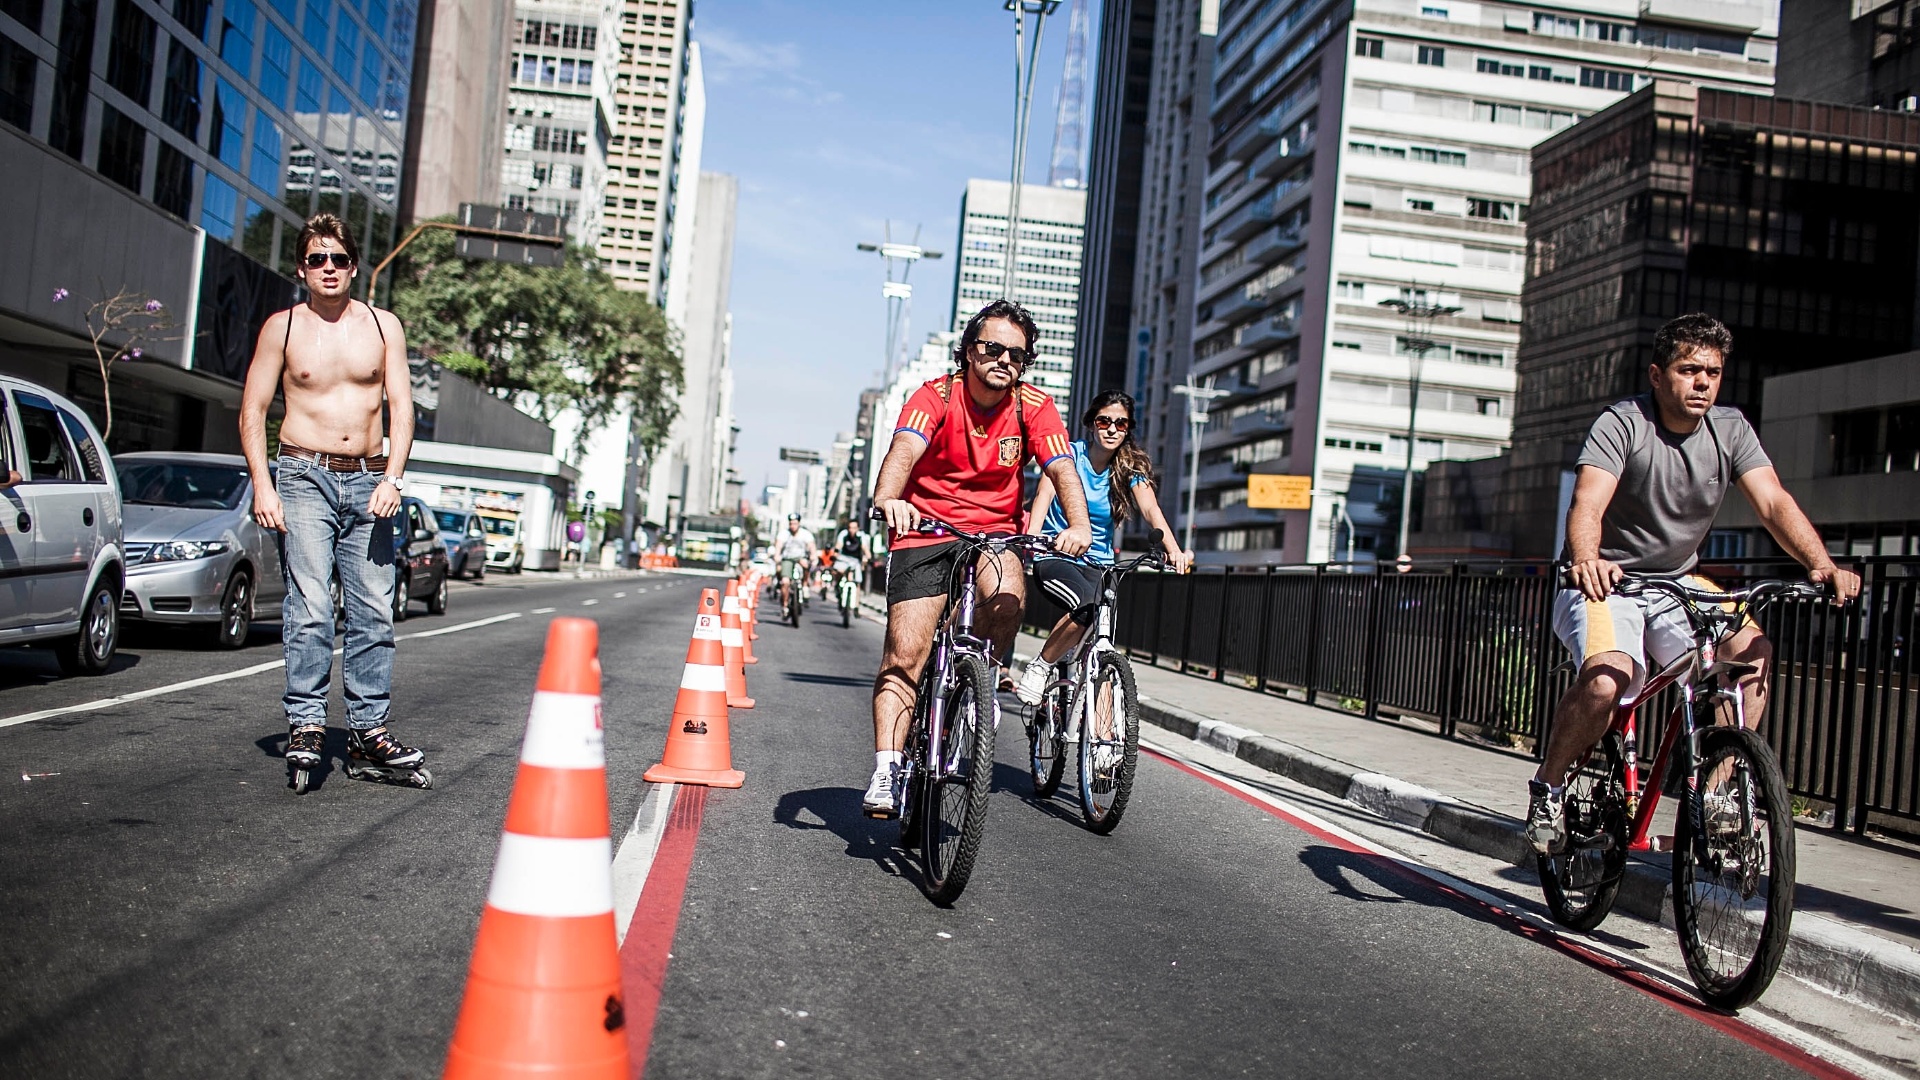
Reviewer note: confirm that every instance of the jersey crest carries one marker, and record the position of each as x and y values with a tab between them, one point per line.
1010	451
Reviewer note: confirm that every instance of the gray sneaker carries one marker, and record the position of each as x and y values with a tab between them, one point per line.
882	799
1546	819
1034	680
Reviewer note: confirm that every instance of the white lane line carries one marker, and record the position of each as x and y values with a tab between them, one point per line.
209	680
543	611
619	596
1676	981
588	602
634	860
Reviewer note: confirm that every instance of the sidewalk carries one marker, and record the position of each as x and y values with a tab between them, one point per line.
1856	930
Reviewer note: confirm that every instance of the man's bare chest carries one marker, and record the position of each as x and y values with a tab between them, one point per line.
322	356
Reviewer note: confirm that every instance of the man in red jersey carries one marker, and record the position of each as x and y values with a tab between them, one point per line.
956	456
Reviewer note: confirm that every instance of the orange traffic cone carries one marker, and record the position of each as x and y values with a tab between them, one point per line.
748	623
698	748
543	992
733	647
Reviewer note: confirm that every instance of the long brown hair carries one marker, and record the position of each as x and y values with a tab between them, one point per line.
1130	463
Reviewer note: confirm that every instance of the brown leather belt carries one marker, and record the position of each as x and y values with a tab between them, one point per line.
334	462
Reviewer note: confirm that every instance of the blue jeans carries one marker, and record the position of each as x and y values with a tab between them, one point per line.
329	529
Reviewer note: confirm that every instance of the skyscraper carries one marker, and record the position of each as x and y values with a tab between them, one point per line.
559	104
658	104
1052	227
460	76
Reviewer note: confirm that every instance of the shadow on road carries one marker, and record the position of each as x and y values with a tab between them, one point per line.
838	810
864	682
1018	781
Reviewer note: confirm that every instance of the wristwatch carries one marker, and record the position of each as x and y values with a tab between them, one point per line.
398	483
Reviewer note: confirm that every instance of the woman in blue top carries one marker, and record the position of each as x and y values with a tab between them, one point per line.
1118	480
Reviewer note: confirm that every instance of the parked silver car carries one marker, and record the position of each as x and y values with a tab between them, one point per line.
60	561
194	553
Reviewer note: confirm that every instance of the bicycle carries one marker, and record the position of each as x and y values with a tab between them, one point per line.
1733	845
949	769
1078	705
843	586
796	594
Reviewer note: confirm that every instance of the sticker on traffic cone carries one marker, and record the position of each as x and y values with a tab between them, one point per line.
733	647
698	748
543	993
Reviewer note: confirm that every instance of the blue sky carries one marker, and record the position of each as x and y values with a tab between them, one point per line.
838	115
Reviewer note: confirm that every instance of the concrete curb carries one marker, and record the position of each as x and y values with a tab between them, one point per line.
1828	954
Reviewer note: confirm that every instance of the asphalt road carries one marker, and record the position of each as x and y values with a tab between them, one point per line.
169	908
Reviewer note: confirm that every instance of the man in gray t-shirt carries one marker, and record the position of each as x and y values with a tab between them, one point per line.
1651	479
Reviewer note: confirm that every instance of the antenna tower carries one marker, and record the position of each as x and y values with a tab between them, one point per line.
1069	126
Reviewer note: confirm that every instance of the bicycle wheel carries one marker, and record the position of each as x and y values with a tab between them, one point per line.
954	813
1109	712
1582	881
1733	904
1046	742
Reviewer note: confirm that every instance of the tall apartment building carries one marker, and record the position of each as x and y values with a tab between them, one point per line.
461	71
559	110
175	150
657	107
1378	150
1052	232
1795	223
689	475
1861	53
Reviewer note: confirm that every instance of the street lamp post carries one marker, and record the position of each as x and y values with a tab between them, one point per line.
1197	398
1419	315
1023	66
897	292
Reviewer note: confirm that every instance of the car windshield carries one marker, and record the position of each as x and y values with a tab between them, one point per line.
451	520
171	483
498	526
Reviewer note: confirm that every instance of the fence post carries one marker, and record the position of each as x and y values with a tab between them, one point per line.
1313	632
1849	790
1456	588
1186	623
1376	600
1266	620
1543	670
1220	633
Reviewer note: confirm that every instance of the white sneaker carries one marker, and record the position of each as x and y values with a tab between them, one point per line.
1033	681
882	799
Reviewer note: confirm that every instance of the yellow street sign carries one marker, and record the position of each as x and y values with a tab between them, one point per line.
1267	491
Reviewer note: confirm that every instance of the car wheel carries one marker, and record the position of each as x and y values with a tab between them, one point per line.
236	612
400	598
437	603
91	650
480	570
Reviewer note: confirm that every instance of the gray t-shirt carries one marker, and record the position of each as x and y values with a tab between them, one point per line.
1671	486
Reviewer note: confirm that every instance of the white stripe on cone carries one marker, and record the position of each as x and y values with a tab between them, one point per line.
564	732
549	876
730	603
704	677
730	638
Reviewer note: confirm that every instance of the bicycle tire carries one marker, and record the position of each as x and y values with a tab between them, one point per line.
1046	742
1106	786
1582	882
1714	905
954	814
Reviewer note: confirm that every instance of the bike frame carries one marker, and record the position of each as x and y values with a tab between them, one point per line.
1099	637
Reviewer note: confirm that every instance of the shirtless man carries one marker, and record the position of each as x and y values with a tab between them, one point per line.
337	360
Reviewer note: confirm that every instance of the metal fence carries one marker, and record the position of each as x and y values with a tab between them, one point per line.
1467	652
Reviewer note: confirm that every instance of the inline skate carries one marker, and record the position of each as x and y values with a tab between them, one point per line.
304	754
375	755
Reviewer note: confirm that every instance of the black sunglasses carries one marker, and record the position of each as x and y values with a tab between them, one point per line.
341	260
993	350
1117	423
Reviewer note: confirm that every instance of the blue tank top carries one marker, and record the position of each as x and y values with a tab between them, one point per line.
1099	507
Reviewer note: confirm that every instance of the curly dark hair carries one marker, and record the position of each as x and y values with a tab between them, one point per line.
999	309
328	226
1682	336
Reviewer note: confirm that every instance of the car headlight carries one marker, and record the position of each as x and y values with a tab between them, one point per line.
182	550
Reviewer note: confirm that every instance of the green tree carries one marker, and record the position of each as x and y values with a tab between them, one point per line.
550	338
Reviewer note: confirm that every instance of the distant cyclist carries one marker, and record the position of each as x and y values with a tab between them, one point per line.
849	556
1117	476
1652	476
795	550
957	455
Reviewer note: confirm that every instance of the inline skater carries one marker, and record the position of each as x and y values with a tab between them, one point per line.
334	495
1650	481
956	456
1117	477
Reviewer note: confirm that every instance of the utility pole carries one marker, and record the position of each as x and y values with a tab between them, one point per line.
897	292
1025	55
1198	398
1419	315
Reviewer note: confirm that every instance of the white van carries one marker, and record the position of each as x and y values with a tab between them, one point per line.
61	569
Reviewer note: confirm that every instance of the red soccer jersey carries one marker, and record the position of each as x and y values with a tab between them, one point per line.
970	474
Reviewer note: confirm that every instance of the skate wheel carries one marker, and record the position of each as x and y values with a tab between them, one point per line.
300	781
423	779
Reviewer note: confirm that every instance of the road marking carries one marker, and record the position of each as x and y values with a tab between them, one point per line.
1770	1035
635	858
543	611
588	602
209	680
645	952
619	596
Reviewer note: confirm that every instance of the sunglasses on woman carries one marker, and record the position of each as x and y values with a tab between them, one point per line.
1114	423
341	260
993	350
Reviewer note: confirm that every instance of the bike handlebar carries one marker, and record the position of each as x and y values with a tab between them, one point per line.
1757	593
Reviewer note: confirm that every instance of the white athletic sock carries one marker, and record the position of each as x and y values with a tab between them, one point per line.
884	758
1557	789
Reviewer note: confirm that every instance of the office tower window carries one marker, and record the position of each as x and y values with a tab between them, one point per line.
123	148
193	15
1373	47
25	12
276	65
173	181
219	208
236	36
1602	79
72	68
130	54
180	104
1433	56
226	133
18	68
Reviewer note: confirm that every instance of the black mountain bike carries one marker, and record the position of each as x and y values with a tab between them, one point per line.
1092	702
950	743
1733	850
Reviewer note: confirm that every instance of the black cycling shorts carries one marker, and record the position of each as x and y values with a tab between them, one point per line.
1072	586
916	572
